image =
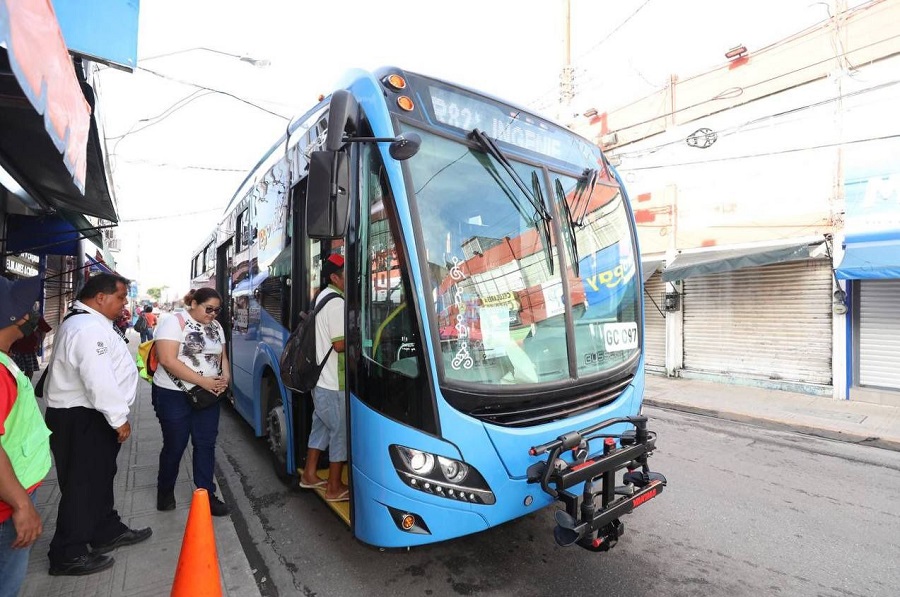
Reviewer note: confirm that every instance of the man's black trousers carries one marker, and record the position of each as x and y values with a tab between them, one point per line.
85	448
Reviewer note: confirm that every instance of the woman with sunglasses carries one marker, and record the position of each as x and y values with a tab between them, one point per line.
191	348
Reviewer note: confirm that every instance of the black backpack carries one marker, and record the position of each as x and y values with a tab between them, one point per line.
140	325
299	369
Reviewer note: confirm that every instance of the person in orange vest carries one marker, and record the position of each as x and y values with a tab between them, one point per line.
21	425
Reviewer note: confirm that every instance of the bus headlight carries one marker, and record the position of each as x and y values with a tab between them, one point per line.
451	479
454	471
421	463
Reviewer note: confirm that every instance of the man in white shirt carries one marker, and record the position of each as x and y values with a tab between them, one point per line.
91	383
329	424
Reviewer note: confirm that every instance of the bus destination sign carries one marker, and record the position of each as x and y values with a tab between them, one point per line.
501	123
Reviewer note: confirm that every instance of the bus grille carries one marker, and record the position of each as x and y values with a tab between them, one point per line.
538	410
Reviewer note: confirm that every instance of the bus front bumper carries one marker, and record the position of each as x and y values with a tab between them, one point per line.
591	519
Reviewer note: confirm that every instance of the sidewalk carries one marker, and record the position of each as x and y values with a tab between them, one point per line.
146	569
844	420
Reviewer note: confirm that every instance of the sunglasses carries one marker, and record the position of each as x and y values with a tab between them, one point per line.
213	310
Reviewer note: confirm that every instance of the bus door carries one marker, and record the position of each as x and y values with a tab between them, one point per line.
224	259
243	335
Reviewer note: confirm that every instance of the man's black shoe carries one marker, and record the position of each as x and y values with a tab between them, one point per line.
129	537
217	507
82	565
165	500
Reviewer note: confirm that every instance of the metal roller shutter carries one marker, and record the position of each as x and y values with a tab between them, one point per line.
771	322
57	294
879	333
654	322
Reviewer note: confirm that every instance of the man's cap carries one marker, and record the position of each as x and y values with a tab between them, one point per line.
332	265
17	299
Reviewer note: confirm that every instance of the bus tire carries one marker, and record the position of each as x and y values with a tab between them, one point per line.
277	438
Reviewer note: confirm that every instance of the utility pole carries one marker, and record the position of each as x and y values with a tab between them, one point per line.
567	76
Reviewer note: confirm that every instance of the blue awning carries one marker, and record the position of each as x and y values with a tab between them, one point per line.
97	266
870	260
47	234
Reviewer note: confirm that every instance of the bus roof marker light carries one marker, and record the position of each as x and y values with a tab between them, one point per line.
405	103
395	82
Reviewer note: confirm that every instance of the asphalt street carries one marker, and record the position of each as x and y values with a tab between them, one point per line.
748	511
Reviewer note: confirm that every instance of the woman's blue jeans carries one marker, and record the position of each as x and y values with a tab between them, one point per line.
179	422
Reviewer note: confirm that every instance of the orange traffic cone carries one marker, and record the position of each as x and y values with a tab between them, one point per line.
197	574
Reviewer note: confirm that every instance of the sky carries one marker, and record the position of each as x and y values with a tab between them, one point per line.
178	151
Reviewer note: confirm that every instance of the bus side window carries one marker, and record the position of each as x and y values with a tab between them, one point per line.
388	330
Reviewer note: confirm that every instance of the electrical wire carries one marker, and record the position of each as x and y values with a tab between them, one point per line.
761	155
762	82
231	95
613	32
552	91
183	167
170	216
743	127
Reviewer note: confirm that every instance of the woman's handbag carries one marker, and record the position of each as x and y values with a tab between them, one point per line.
198	397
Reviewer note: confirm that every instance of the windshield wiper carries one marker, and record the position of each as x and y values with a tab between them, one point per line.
588	179
545	222
561	198
540	210
490	147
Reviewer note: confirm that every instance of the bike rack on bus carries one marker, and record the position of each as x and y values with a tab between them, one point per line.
592	525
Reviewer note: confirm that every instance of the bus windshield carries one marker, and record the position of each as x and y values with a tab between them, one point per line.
497	266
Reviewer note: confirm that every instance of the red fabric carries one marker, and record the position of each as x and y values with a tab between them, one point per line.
8	393
32	342
151	319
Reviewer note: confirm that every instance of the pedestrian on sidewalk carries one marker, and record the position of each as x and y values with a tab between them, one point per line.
191	348
90	387
25	351
21	426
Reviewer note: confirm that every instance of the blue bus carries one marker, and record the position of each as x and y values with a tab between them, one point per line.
494	359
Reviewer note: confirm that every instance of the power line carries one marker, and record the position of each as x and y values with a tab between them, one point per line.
159	118
742	89
613	32
171	216
761	155
184	167
231	95
552	91
740	127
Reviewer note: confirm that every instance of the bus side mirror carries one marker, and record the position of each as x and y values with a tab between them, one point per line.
328	195
343	116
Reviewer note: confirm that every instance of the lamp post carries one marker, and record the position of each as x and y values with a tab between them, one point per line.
257	62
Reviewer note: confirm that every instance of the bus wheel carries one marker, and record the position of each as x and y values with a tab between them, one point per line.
276	423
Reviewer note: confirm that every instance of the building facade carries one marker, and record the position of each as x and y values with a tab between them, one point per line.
767	195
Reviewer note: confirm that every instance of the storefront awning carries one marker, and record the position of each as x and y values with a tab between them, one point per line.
687	265
57	234
38	57
649	267
97	266
870	260
28	153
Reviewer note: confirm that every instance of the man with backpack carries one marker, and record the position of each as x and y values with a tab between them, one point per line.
329	425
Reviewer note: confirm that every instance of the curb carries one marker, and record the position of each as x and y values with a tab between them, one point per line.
830	434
